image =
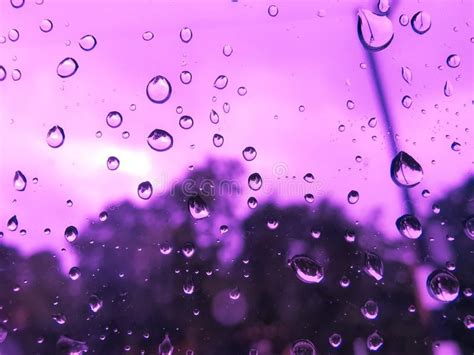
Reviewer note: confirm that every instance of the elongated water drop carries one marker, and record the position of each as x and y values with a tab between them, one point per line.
448	88
158	89
186	34
145	190
160	140
407	75
409	226
19	181
67	67
198	207
375	31
373	266
55	137
12	224
405	170
214	117
306	269
165	347
443	286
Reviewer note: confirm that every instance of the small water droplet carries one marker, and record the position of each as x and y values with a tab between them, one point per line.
186	77
13	35
407	101
103	216
198	207
374	341
158	89
443	286
309	198
405	170
370	309
71	233
113	163
448	88
227	50
242	91
3	73
160	140
469	321
350	104
17	3
95	303
373	266
165	347
186	122
145	190
55	137
74	273
409	226
453	61
226	107
407	75
234	294
87	42
19	181
12	224
125	134
384	6
186	34
188	287
221	82
218	140
67	67
148	36
375	31
306	269
249	153
335	340
468	227
59	318
421	22
303	347
114	119
188	250
353	197
309	178
214	117
252	202
46	25
16	74
272	224
68	346
372	122
404	19
255	181
273	10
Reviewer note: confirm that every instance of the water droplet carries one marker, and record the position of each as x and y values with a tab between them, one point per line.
13	35
272	224
252	202
113	163
188	287
19	181
67	67
453	61
306	269
87	42
409	226
69	203
59	318
186	122
74	273
125	134
448	88
407	74
148	36
350	104
407	101
3	73
234	294
455	146
405	170
375	31
404	19
468	227
309	197
198	207
221	82
273	10
411	308
373	266
372	122
370	309
145	190
71	233
55	137
17	3
443	286
103	216
16	74
3	334
309	178
226	107
166	249
218	140
421	22
255	181
335	340
384	6
353	197
12	224
46	25
249	153
186	77
242	91
69	346
158	89
98	134
350	236
114	119
315	233
95	303
214	117
227	50
469	321
186	34
303	347
374	341
188	250
160	140
165	347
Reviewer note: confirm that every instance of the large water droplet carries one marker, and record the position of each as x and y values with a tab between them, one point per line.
160	140
373	265
303	347
443	286
95	303
409	226
70	346
114	119
113	163
88	42
255	181
453	61
67	67
407	74
12	224
421	22
370	309
405	170
221	82
55	137
375	31
186	34
71	233
374	341
198	207
165	347
158	89
19	181
306	269
468	227
145	190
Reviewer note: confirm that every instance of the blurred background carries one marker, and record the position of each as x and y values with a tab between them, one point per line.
236	177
